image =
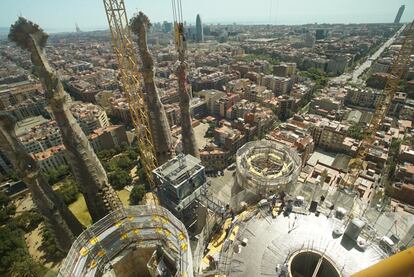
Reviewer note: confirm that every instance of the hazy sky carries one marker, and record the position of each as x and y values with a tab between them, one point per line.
61	15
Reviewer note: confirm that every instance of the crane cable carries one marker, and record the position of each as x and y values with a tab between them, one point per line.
174	11
179	36
177	8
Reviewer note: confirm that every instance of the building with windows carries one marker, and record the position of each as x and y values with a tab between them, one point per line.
109	137
362	97
399	14
178	181
38	134
120	109
52	158
89	116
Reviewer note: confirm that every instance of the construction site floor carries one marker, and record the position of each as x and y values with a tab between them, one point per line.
270	241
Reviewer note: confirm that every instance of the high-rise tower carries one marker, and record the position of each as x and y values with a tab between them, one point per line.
199	29
78	30
399	14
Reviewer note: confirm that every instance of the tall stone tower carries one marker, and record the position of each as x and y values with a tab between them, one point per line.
160	129
399	14
91	177
187	132
199	29
62	223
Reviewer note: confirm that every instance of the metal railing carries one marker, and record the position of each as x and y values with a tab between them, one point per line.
108	237
262	184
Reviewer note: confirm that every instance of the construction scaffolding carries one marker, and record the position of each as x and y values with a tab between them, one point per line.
266	167
136	226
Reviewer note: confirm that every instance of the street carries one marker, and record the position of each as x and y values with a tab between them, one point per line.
354	76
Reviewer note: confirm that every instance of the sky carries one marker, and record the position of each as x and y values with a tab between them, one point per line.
61	15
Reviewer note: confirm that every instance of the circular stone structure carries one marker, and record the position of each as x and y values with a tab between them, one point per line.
266	167
312	263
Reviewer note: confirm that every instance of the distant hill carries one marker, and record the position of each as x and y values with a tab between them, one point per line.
4	31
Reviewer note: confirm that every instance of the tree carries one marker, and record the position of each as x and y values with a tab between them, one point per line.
317	75
7	208
68	191
13	175
119	179
132	153
355	131
4	200
26	267
137	194
124	162
55	175
49	245
395	146
12	248
27	220
142	179
106	165
106	154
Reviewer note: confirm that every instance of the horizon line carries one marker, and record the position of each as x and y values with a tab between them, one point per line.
253	23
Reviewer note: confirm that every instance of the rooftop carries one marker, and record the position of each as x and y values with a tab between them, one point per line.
270	242
24	126
179	168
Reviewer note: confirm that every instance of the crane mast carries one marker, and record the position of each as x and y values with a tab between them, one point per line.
131	83
357	165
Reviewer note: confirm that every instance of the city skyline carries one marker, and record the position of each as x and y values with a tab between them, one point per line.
282	145
90	15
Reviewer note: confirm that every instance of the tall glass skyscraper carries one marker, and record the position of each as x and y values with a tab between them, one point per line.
199	29
399	14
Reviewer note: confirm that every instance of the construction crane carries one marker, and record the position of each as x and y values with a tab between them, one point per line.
400	264
358	164
131	83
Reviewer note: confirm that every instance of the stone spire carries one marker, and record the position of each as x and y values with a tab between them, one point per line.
88	171
187	132
58	217
160	129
